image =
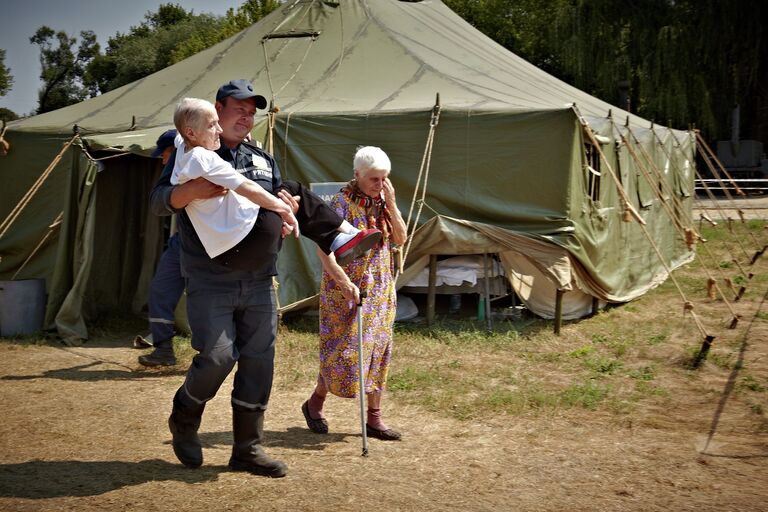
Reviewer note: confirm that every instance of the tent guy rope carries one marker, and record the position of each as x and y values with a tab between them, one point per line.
660	192
54	225
687	305
426	160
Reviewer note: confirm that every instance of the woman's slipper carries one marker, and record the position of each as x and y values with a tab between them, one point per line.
384	435
319	425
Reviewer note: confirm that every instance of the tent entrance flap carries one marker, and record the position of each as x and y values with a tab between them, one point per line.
109	245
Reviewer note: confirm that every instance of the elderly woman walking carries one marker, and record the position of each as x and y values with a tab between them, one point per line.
368	201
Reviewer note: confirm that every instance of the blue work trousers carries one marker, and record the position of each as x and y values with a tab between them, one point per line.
165	291
232	322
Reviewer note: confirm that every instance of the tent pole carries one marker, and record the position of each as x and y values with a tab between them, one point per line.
595	306
558	311
487	279
431	289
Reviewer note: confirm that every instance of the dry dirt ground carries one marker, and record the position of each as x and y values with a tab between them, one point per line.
84	428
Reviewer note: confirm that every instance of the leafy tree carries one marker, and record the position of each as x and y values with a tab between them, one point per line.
6	79
680	61
7	114
63	70
167	15
686	61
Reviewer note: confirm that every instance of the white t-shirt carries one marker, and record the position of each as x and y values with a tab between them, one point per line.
223	221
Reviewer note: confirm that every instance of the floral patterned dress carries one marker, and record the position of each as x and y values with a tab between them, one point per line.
372	273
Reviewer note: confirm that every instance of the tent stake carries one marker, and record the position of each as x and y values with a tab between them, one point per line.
595	306
702	355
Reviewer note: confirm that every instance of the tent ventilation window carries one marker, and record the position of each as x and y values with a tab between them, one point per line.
292	35
593	170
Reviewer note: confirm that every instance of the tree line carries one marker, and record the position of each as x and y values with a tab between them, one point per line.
677	62
73	69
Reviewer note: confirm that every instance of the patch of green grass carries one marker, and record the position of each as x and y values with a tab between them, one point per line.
474	337
533	397
603	365
581	352
658	339
617	345
543	357
587	395
720	360
645	389
517	401
411	379
645	373
749	382
36	339
183	349
692	285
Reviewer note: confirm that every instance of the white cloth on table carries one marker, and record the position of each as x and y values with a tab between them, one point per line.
457	270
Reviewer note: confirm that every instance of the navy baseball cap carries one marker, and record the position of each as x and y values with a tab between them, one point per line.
240	90
164	141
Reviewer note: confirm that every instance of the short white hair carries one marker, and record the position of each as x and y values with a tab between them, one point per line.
193	113
371	157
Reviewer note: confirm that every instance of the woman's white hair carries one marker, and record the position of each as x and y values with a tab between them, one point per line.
371	157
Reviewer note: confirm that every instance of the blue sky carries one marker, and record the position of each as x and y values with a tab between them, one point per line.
21	18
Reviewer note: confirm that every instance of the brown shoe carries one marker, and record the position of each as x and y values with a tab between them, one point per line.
319	425
384	435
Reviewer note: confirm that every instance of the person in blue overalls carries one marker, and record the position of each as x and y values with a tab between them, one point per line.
166	287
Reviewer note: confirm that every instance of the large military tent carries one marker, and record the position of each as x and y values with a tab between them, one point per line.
522	164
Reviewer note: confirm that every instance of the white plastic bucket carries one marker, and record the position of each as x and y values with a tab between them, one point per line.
22	306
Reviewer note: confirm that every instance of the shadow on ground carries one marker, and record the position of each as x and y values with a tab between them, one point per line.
87	372
39	479
295	438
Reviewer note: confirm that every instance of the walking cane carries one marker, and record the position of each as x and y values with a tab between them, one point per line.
361	380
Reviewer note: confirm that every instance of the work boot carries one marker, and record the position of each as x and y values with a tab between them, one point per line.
162	355
183	423
247	453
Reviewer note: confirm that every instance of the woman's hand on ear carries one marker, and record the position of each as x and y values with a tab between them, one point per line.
389	192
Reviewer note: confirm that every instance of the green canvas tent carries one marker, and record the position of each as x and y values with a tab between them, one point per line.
515	168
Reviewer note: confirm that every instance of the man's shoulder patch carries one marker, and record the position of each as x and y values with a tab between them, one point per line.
260	162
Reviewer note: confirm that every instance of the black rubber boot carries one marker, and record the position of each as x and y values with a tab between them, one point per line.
247	453
183	423
162	355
